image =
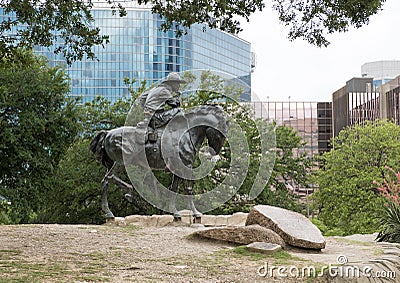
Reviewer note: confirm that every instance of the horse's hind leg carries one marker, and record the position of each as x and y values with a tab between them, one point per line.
128	196
114	171
174	189
124	185
111	176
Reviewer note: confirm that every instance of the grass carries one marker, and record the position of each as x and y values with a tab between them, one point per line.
24	271
7	254
378	252
280	257
15	268
244	251
128	229
354	242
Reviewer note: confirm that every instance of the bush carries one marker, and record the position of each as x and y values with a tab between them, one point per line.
38	122
390	224
325	229
347	199
5	211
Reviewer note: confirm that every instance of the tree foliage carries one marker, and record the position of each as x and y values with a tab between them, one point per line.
71	25
37	125
313	20
287	165
310	20
5	211
44	23
76	194
348	199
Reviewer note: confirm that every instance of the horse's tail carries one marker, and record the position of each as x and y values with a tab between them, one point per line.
97	147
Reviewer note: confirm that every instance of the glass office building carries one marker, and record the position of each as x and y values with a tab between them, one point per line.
138	49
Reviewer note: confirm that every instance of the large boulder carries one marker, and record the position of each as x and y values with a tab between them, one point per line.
241	235
294	228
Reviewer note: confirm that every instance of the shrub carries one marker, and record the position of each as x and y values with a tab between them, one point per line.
347	198
5	211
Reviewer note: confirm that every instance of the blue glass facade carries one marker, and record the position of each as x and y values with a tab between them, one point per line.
138	49
379	82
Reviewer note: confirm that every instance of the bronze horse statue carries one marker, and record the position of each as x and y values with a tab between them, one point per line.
177	142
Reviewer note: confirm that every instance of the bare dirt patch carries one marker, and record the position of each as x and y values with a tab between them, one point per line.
106	253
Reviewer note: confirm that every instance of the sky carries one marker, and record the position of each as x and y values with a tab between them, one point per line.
297	71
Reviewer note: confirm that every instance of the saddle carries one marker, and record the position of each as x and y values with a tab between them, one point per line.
159	120
169	133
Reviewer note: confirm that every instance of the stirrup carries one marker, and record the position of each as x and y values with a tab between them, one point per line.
152	136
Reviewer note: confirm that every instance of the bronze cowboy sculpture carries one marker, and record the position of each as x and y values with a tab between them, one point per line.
183	138
155	100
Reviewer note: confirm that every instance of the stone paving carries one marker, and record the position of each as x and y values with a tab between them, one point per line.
236	219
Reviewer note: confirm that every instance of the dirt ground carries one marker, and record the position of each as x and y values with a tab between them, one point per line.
109	253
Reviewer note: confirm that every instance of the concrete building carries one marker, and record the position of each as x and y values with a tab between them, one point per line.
390	100
373	96
356	102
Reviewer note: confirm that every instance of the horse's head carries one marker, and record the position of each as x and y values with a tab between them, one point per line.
208	122
215	140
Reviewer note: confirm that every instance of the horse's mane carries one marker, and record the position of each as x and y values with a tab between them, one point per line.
211	109
205	109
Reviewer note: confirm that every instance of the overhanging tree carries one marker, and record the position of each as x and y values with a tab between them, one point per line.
71	24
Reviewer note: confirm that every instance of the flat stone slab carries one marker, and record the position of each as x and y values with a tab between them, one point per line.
241	235
263	247
149	221
294	228
221	220
237	219
186	216
208	220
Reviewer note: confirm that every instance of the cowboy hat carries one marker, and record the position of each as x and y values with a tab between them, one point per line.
174	77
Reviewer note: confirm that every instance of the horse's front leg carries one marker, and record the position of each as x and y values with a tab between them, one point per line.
104	200
189	191
173	190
